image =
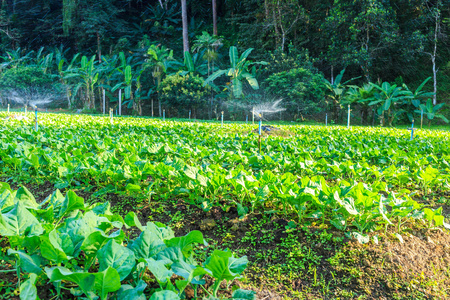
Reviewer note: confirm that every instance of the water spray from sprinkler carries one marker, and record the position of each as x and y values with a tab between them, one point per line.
267	108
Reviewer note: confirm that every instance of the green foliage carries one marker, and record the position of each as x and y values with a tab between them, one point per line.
238	72
25	78
300	88
431	111
187	91
389	99
312	179
60	239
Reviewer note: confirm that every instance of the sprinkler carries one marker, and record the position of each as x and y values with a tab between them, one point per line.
421	118
348	118
104	102
120	102
164	114
221	119
189	114
36	119
8	108
246	119
412	130
111	115
326	119
253	116
259	131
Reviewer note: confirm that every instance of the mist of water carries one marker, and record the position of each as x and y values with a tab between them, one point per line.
263	109
267	108
31	97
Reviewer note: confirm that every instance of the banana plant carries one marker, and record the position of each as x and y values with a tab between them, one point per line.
238	72
89	73
388	98
159	60
360	95
44	61
14	58
431	111
336	93
194	64
64	74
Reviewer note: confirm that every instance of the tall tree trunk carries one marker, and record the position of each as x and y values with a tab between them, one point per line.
277	34
185	26
433	58
99	48
283	32
214	10
332	74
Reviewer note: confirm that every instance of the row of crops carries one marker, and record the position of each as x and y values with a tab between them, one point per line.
360	181
355	180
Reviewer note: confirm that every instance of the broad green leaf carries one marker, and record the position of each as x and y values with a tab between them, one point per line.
84	280
185	242
148	244
31	264
19	222
223	265
118	257
28	290
233	57
52	247
127	292
164	295
241	294
131	219
107	281
71	202
159	270
24	195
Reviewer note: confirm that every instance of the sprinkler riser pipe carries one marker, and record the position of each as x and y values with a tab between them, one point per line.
36	119
348	118
421	118
326	119
8	108
104	102
120	102
164	114
412	130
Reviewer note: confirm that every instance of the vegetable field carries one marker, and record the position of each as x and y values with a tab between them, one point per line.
139	208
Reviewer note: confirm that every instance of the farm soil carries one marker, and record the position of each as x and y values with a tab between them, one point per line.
334	267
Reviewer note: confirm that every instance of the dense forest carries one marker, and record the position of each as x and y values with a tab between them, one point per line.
388	60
